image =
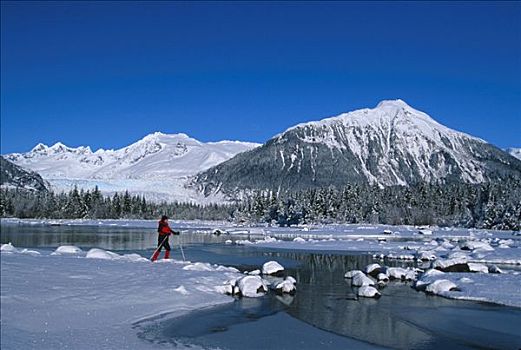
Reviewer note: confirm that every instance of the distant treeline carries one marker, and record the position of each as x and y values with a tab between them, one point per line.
487	205
92	204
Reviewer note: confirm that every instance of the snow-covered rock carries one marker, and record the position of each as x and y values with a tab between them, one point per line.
299	240
373	269
67	249
426	255
352	273
401	273
475	267
451	265
368	292
286	286
360	279
427	278
291	279
272	268
440	286
425	232
252	286
255	272
382	277
494	269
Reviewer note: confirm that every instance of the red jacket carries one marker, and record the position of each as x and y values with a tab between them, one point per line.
164	229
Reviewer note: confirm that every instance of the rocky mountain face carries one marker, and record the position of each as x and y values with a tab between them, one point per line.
13	176
391	144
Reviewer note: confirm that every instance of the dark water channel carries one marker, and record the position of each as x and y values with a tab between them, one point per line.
324	313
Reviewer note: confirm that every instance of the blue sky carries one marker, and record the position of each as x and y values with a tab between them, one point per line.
105	74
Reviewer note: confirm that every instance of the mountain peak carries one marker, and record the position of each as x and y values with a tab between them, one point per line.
39	147
393	103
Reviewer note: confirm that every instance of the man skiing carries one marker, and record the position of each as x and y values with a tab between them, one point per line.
164	232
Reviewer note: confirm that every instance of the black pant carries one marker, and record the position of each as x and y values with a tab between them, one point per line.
161	244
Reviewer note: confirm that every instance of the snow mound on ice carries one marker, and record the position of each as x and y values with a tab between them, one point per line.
67	249
368	292
271	268
96	253
181	290
8	248
439	287
299	239
252	286
198	266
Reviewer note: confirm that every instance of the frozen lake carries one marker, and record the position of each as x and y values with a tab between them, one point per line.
323	313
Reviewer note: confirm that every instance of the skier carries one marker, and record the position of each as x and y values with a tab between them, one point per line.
164	232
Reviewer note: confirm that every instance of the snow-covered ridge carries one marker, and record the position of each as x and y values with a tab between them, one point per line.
386	111
155	156
156	166
513	151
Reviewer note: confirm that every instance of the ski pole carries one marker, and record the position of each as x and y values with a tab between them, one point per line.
182	252
159	246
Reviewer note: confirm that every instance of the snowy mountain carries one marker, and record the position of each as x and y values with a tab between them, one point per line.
156	165
392	144
13	176
516	152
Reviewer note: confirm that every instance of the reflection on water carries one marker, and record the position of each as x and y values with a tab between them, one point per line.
106	237
402	318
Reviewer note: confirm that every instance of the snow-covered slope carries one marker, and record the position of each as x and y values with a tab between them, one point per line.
156	165
516	152
156	156
391	144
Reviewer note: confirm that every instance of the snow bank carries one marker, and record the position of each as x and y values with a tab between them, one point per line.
98	303
96	253
271	268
